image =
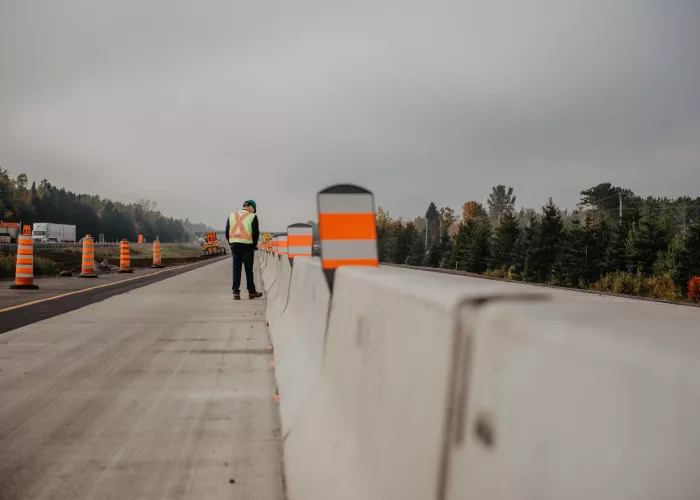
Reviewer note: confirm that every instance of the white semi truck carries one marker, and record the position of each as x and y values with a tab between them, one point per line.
50	232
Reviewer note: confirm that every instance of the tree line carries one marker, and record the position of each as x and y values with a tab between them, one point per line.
21	202
613	241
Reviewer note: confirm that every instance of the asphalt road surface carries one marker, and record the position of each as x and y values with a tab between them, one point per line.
164	392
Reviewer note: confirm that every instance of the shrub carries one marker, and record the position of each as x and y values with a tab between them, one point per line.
44	266
7	266
620	282
496	273
694	289
661	287
513	274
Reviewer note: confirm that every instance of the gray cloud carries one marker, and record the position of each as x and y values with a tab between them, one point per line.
185	101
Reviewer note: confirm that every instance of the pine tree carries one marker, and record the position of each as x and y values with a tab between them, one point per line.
500	202
548	242
688	258
503	243
458	256
570	264
647	237
447	245
597	237
432	219
435	253
526	249
477	247
417	255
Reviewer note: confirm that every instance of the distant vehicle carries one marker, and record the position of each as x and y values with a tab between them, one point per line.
53	233
9	232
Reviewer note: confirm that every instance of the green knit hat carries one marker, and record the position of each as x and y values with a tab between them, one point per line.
255	207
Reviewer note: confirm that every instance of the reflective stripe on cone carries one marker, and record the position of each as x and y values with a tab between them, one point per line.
124	258
282	242
24	270
88	264
347	228
299	240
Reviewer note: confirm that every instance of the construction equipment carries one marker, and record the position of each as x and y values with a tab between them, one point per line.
212	246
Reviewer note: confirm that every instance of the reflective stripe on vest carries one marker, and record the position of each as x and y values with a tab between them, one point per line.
241	227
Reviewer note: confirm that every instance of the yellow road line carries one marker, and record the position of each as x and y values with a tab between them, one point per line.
39	301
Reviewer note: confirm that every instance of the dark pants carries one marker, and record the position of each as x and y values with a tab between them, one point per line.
243	255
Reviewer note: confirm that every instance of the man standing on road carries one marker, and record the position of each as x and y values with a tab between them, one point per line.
242	231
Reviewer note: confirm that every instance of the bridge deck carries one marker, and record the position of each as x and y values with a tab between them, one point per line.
162	392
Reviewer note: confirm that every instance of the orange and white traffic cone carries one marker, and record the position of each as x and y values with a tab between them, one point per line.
24	273
88	267
157	260
124	258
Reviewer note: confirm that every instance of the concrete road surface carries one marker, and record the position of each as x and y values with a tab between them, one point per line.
164	392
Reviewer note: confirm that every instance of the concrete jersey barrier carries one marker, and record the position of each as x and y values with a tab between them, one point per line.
299	338
570	402
374	427
278	294
415	386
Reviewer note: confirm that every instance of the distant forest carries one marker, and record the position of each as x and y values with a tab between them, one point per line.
614	241
43	202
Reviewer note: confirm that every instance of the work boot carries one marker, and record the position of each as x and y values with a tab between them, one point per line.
236	296
254	295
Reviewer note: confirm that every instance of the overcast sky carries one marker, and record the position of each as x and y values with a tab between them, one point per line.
199	105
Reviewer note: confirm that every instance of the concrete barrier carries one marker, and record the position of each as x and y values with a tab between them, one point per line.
420	386
578	403
278	294
375	425
299	338
271	272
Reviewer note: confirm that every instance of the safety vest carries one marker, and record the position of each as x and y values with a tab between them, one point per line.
241	227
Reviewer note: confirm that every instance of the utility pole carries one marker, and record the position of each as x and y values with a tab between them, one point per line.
620	195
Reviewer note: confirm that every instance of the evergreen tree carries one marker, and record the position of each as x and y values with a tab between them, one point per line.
570	265
432	219
477	247
417	255
500	202
550	233
447	246
526	249
647	237
435	253
89	213
458	256
385	243
503	242
688	257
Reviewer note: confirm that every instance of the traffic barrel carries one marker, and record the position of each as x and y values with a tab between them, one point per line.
157	260
282	242
24	272
347	228
299	240
124	258
88	266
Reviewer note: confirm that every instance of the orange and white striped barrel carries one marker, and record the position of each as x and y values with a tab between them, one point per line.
88	267
124	258
157	259
299	240
24	272
282	242
275	244
347	228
